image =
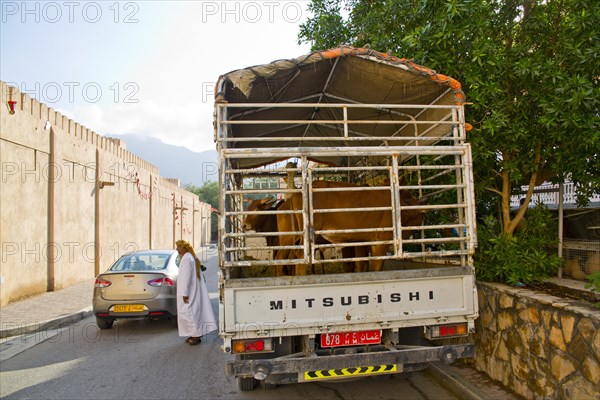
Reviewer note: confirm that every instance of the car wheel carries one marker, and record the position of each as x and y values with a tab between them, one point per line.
104	323
246	384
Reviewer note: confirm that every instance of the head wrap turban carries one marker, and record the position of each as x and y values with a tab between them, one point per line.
188	247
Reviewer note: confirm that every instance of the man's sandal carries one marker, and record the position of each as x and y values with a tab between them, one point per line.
192	341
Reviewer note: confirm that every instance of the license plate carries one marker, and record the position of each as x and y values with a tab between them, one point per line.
350	338
128	308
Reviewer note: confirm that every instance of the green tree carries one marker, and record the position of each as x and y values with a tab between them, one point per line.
522	258
209	193
529	68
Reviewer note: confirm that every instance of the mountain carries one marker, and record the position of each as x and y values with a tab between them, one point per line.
188	166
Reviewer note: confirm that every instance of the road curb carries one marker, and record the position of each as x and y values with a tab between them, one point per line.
17	330
453	383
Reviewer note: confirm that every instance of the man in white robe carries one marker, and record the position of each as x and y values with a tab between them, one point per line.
195	316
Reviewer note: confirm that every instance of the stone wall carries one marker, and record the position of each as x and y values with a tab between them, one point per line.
540	346
72	201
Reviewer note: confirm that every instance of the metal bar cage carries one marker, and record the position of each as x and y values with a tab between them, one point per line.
413	171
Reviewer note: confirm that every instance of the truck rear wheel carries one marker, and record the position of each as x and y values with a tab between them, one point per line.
268	386
246	384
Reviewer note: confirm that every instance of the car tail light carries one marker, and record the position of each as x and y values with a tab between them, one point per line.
168	282
101	283
252	346
161	282
448	330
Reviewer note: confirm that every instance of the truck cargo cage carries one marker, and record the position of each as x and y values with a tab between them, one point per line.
347	219
423	164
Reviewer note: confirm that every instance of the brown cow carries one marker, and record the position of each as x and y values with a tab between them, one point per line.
263	223
293	223
268	223
353	220
287	223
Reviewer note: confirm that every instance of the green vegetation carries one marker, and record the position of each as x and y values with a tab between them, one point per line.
530	69
209	193
525	257
594	284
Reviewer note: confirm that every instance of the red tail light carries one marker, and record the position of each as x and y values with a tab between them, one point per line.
252	346
449	330
101	283
168	282
161	282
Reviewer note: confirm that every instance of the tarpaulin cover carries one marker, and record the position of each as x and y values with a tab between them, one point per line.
340	75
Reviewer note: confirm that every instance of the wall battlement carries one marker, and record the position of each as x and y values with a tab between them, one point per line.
67	126
73	201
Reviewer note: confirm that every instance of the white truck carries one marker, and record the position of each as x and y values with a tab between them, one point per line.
305	142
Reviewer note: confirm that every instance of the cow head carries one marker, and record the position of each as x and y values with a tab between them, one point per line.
256	222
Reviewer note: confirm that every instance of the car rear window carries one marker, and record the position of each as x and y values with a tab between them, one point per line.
142	262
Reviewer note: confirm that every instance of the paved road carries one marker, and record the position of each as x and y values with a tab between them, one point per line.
140	359
148	360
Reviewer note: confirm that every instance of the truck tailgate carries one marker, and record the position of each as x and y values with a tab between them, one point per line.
318	303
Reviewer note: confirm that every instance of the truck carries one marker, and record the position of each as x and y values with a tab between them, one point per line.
346	218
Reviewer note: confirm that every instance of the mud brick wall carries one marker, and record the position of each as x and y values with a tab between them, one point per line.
540	346
72	201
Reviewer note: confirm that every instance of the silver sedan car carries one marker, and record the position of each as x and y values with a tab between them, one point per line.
138	285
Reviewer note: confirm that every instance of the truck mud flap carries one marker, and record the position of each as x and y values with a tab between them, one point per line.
313	368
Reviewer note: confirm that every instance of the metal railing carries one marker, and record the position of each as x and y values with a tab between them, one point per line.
438	167
548	194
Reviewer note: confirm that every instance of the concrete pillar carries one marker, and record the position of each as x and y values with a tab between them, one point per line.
150	201
97	216
174	221
51	260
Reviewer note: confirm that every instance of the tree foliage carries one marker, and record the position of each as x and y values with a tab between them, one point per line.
529	68
525	257
209	193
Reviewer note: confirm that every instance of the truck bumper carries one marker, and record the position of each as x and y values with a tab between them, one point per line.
301	368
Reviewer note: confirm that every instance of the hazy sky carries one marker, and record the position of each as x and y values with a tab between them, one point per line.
141	67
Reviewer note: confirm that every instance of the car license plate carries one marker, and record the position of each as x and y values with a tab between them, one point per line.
350	338
128	308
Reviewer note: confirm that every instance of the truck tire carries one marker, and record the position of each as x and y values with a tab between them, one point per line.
268	386
246	384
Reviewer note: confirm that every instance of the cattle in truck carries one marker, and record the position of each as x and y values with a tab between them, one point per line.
263	222
266	223
371	222
270	223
